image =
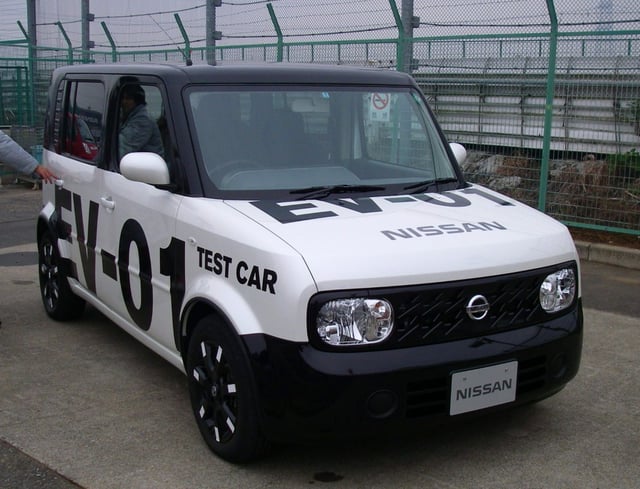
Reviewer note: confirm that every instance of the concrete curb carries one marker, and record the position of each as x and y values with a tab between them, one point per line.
611	255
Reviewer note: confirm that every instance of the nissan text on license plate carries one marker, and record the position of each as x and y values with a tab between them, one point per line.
483	387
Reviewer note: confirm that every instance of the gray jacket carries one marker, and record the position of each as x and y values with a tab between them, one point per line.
139	133
12	154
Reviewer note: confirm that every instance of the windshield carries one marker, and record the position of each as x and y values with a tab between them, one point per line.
294	140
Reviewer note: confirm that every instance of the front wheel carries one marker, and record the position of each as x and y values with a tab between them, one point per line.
222	393
59	302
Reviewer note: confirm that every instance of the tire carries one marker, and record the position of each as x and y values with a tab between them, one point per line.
223	396
59	302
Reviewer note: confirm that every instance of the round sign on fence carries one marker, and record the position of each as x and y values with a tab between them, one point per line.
379	108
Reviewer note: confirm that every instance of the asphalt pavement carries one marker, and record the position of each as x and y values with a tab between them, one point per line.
83	405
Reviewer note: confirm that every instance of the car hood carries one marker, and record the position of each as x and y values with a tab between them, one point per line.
413	239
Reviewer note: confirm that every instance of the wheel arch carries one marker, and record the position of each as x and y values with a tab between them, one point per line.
194	311
228	306
47	221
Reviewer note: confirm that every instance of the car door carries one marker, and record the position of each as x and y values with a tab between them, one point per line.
136	237
80	100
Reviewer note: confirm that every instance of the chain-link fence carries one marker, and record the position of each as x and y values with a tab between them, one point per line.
491	95
544	94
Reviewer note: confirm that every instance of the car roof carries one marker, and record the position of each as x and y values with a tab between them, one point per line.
264	73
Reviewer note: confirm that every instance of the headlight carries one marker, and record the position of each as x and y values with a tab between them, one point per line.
558	290
347	322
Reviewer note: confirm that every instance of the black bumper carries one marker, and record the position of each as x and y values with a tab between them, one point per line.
308	393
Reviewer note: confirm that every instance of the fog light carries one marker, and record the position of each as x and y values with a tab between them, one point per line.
382	404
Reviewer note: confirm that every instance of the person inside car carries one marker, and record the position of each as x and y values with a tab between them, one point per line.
138	132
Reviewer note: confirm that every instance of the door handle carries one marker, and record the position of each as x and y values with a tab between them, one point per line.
108	203
59	182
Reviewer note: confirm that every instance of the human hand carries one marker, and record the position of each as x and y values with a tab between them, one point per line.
45	174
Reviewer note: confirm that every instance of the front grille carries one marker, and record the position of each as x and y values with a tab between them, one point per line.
431	397
532	375
436	313
427	397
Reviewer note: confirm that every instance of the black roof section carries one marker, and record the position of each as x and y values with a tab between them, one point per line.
298	73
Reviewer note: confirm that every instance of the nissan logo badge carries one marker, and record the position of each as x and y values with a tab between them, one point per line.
477	307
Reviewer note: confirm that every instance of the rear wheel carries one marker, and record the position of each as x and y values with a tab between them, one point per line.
59	302
222	393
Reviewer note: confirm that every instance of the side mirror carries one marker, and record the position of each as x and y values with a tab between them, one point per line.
459	152
145	167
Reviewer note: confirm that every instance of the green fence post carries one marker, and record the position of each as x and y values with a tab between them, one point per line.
66	38
31	73
2	116
401	40
114	52
19	101
276	26
187	43
24	32
548	108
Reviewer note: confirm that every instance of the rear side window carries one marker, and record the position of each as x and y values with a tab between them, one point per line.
80	120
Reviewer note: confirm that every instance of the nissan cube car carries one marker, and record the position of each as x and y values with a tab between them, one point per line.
301	242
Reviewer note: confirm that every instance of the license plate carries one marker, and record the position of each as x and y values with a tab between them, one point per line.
483	387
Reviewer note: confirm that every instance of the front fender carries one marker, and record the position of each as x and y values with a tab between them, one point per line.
249	310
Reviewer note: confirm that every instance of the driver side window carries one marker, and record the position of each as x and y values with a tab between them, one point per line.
142	126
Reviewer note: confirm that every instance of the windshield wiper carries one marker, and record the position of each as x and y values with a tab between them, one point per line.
427	184
320	192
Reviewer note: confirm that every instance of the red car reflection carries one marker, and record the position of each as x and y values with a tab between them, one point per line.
80	141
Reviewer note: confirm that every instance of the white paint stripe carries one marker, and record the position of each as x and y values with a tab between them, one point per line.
219	354
230	425
196	375
215	428
231	388
204	349
201	412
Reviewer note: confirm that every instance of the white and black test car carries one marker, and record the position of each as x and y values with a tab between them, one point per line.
306	250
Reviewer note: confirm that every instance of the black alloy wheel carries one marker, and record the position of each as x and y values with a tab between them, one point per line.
58	300
222	394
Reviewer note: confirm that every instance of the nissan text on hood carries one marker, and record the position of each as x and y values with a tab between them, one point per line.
304	246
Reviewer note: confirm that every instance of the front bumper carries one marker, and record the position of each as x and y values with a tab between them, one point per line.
308	393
